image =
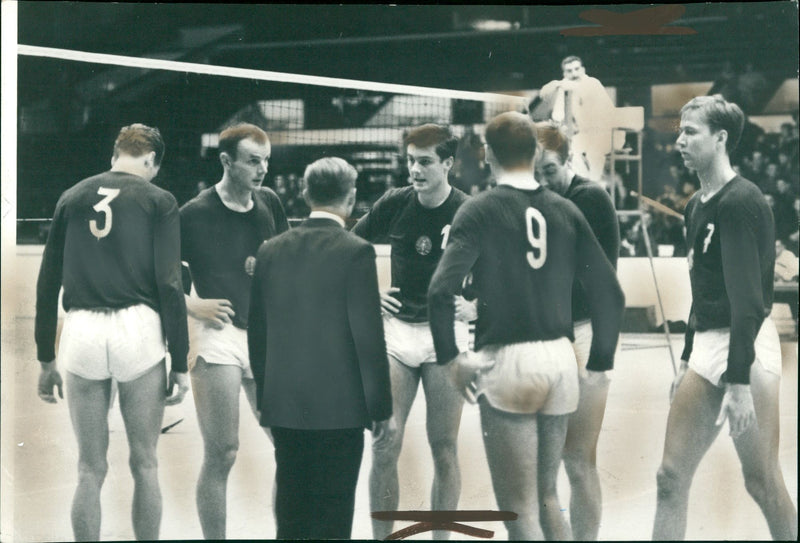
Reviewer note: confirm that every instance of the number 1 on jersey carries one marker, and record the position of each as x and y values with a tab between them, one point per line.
536	237
103	207
445	235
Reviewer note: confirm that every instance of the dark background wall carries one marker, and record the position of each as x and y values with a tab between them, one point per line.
69	111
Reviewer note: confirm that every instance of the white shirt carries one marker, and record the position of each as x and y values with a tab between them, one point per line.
518	180
326	215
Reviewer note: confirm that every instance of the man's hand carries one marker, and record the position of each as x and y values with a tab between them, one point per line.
212	311
182	380
49	378
678	378
594	378
737	407
383	432
466	311
464	370
390	304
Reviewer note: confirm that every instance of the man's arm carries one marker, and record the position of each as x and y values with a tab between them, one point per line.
374	226
48	287
604	296
257	327
366	325
279	214
688	337
457	260
167	262
597	207
742	273
213	312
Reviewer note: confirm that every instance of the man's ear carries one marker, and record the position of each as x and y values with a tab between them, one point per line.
448	162
723	137
225	159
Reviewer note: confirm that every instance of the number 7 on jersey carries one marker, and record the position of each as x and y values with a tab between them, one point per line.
103	207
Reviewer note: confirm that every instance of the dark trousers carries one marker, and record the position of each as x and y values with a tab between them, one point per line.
316	476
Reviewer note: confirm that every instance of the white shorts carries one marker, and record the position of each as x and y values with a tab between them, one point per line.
412	343
583	346
709	358
122	344
531	377
227	346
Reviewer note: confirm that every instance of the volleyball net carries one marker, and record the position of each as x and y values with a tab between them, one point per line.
73	116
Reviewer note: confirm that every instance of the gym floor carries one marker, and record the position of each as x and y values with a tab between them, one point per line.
42	458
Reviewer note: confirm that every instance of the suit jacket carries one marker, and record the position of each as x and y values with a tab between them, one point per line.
315	333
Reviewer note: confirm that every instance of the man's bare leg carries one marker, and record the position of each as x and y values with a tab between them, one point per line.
88	403
216	389
443	417
141	402
758	452
249	387
552	432
580	460
691	429
384	486
511	444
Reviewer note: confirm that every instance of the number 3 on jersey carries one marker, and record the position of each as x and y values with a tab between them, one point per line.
537	237
103	207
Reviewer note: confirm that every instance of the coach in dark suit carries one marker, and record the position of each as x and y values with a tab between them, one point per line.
318	355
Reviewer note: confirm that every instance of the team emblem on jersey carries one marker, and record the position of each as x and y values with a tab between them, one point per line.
424	245
250	265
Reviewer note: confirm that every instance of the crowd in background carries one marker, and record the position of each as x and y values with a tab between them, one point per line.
769	159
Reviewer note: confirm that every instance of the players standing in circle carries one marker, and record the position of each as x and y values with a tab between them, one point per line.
732	359
114	245
580	449
415	220
221	231
524	246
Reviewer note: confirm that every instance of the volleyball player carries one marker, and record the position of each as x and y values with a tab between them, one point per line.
524	246
221	231
732	359
580	449
415	220
114	246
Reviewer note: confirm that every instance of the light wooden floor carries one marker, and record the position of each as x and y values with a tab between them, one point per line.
42	468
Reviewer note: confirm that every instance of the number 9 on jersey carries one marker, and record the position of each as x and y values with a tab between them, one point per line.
536	227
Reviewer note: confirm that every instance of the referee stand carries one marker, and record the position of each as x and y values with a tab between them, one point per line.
630	121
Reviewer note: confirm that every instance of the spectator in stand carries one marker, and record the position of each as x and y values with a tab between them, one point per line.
768	182
788	143
783	210
794	237
688	188
786	264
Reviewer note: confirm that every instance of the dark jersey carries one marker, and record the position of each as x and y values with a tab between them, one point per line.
595	204
525	248
417	235
114	243
731	240
216	243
